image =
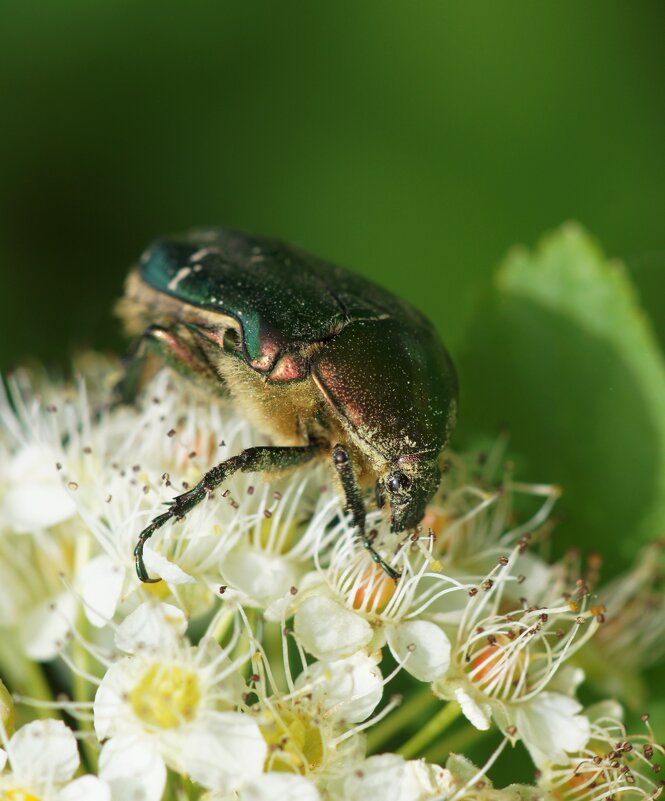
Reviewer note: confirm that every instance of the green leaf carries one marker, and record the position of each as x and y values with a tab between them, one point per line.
563	354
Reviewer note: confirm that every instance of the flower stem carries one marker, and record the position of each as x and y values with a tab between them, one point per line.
411	709
439	723
83	691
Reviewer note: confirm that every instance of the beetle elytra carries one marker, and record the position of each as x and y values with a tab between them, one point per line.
324	362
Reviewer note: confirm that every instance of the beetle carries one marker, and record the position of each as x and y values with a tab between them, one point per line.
324	362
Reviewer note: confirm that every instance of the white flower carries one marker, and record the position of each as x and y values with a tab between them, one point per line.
551	725
40	537
272	787
613	764
172	703
389	777
505	664
40	761
313	727
347	690
280	539
255	536
35	498
353	605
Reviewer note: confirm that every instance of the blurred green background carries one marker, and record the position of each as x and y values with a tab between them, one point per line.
414	142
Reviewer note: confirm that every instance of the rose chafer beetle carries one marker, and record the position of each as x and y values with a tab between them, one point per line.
324	362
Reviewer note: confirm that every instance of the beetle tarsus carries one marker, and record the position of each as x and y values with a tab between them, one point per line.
378	559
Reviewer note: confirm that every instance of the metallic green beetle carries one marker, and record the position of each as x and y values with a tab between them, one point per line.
324	362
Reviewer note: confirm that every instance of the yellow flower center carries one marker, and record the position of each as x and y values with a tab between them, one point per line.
278	540
160	590
17	794
294	741
166	696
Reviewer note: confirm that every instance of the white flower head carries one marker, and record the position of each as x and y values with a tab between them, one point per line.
255	537
313	725
506	657
389	777
173	703
39	762
271	787
614	763
41	539
353	605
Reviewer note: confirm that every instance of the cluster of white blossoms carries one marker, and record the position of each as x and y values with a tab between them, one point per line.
275	659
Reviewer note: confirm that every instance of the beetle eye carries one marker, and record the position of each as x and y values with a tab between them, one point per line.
398	482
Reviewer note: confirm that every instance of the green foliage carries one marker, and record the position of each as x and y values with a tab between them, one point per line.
562	354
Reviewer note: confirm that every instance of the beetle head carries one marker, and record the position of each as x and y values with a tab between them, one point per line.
408	484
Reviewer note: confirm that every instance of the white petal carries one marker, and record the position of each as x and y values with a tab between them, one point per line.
159	565
566	680
261	576
38	499
45	628
422	646
223	749
350	688
3	759
87	788
101	585
477	714
133	768
37	506
604	711
389	777
279	787
550	725
109	708
328	630
150	626
44	751
212	660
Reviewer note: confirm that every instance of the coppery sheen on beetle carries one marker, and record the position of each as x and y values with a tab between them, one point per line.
326	363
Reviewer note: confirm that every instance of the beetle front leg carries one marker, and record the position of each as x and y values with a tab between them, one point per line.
260	459
355	505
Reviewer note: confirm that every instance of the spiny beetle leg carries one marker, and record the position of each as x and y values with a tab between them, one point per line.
355	505
260	459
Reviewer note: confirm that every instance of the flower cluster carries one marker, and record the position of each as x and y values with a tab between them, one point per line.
275	659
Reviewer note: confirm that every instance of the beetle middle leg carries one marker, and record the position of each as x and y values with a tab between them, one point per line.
355	505
260	459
